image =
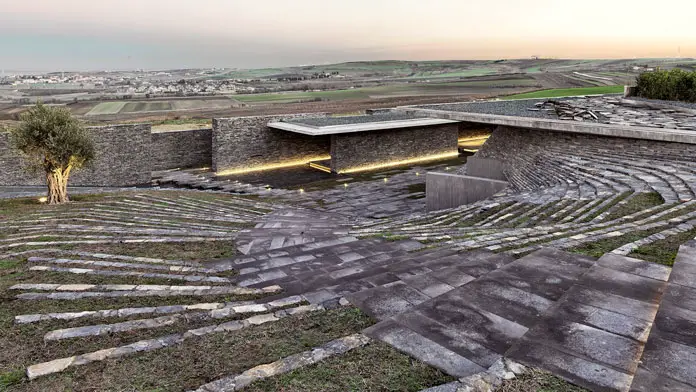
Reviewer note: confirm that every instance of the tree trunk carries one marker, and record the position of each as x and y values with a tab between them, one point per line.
57	181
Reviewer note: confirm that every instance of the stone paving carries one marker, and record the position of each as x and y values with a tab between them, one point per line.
479	291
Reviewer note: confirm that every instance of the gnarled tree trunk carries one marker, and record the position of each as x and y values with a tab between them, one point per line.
57	182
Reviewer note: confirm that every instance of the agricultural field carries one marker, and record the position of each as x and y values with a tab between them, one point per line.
113	108
106	108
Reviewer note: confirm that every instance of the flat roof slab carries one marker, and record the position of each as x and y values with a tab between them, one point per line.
615	117
319	126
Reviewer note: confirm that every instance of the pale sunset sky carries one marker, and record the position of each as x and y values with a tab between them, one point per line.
160	34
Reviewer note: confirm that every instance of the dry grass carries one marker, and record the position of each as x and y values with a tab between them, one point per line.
538	381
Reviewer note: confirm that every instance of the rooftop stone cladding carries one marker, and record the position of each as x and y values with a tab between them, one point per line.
244	142
347	120
123	158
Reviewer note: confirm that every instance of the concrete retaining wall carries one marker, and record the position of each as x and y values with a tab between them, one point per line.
443	190
243	142
355	150
123	158
182	149
486	168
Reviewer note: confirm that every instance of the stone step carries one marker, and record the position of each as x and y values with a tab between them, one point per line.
479	321
329	259
669	358
348	277
593	336
409	283
291	250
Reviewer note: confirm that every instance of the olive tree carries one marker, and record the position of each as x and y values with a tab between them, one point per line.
54	142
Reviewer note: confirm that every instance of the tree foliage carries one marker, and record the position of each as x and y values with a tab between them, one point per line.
674	85
56	142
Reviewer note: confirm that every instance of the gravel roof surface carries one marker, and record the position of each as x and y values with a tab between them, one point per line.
345	120
517	108
672	103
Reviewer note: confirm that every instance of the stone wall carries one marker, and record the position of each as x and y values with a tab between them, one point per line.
182	149
524	151
244	142
474	130
123	158
444	190
359	149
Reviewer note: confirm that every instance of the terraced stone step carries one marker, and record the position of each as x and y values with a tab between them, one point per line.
594	335
321	260
476	323
669	358
418	279
329	266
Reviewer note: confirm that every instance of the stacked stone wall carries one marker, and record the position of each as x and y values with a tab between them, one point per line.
245	142
523	151
474	130
182	149
123	158
354	150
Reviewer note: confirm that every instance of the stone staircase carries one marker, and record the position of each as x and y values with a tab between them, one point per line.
594	323
601	324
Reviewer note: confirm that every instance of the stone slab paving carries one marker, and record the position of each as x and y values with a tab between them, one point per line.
405	286
595	333
669	359
476	323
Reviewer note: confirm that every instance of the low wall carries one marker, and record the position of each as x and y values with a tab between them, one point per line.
241	143
123	158
182	149
443	190
355	150
486	168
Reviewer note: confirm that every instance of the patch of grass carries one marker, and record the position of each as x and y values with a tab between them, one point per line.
538	381
640	202
200	360
188	251
10	378
599	248
568	92
485	214
606	208
663	251
375	367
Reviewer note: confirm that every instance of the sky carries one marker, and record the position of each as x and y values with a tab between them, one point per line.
43	35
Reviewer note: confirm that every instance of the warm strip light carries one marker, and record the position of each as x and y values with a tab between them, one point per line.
319	167
473	139
402	162
271	166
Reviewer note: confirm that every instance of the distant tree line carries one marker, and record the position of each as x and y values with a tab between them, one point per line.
673	85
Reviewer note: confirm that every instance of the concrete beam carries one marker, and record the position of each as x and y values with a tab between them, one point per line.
362	127
443	190
609	130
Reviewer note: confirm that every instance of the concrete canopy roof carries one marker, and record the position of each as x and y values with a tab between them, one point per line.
314	130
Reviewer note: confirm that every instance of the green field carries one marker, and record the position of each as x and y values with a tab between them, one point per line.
566	92
458	74
106	108
111	108
301	96
157	106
